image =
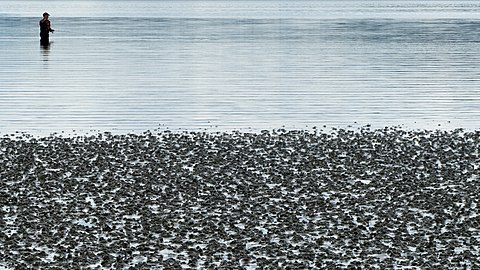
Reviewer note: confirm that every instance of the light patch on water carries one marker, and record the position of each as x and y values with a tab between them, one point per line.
363	181
240	226
3	266
134	216
84	223
264	231
380	256
91	201
459	250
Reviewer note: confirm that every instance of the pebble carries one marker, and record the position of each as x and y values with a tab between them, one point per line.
340	199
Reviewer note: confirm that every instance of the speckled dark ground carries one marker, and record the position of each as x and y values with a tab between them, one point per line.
380	199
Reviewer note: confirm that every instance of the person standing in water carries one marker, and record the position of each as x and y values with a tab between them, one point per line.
45	29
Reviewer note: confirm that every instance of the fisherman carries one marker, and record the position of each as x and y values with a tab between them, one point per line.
45	29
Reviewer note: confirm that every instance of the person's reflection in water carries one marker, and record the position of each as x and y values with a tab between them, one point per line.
45	51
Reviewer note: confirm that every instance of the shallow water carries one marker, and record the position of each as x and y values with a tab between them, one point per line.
137	65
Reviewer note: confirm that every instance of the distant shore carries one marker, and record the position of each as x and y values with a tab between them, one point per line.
386	198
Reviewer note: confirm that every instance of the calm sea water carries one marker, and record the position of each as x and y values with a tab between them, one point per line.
137	65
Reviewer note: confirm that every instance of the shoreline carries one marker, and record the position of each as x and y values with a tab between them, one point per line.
380	199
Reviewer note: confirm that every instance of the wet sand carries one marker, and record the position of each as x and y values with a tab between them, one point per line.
338	199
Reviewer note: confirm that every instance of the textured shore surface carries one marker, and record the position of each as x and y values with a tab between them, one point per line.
281	199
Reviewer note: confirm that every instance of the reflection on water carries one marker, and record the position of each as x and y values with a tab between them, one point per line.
45	49
235	66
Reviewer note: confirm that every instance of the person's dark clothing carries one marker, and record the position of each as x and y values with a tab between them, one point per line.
45	30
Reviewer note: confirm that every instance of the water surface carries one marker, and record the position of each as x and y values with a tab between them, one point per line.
137	65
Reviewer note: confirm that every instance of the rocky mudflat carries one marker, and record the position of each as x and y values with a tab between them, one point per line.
342	199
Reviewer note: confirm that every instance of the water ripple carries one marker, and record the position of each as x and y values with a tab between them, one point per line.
113	73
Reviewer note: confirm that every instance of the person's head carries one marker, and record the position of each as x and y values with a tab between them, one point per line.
45	15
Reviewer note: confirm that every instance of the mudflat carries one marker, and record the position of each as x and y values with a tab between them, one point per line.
341	199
